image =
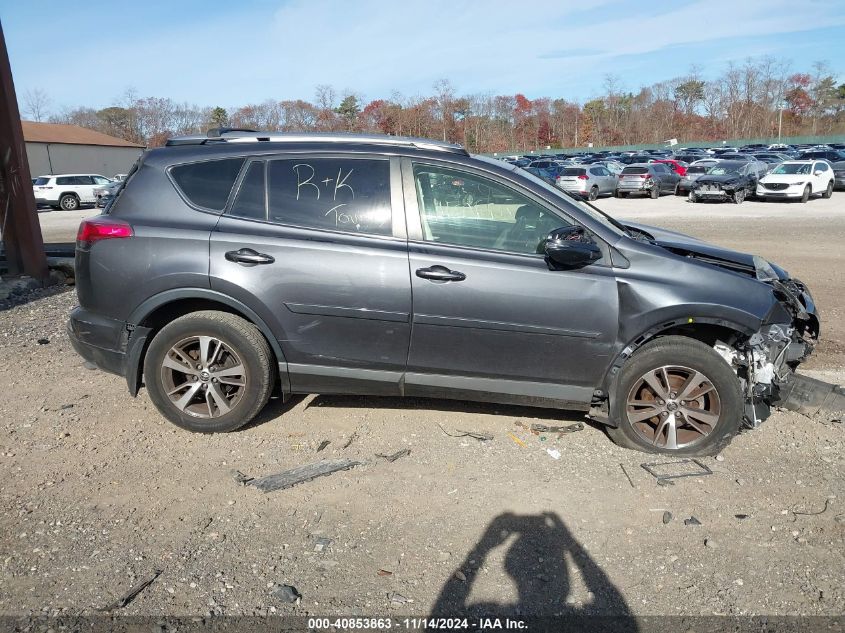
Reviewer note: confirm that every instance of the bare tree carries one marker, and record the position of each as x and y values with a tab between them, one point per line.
36	104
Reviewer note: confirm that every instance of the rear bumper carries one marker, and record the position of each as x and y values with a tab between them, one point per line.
99	340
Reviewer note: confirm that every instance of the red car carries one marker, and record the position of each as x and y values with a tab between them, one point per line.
677	166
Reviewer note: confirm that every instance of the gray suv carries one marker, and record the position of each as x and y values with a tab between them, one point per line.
233	266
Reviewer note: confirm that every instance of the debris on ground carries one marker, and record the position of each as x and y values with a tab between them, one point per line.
392	457
322	543
741	516
568	428
664	472
398	598
300	474
667	517
692	521
351	439
459	575
43	341
720	458
481	437
630	481
709	542
516	439
323	445
797	513
384	572
553	452
286	593
130	595
240	478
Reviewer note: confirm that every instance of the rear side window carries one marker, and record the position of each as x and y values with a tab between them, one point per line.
65	180
635	170
41	181
339	194
249	201
570	171
207	184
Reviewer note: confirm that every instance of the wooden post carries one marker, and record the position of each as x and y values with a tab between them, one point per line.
24	245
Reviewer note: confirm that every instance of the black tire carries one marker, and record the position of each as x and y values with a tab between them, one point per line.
693	197
69	202
829	191
621	194
251	351
678	190
806	195
680	353
655	191
594	193
739	196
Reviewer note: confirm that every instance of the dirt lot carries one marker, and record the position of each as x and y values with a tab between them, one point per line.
98	492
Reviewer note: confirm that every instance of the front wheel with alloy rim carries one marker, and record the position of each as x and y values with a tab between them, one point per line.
806	195
69	202
209	371
676	395
739	196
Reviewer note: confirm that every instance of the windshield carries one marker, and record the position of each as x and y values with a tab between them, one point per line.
723	170
792	168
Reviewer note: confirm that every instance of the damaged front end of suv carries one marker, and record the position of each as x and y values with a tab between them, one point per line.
766	361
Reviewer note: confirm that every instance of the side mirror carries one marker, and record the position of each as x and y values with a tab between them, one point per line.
818	172
568	247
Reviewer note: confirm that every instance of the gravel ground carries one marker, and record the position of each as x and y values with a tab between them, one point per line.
98	491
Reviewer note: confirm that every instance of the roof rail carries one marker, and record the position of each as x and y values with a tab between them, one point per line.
240	135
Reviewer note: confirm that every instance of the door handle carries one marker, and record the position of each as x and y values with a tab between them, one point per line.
249	257
440	273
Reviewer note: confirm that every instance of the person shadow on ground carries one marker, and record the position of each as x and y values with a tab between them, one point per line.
536	563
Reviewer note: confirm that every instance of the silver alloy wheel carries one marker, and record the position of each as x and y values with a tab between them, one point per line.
69	203
203	376
673	407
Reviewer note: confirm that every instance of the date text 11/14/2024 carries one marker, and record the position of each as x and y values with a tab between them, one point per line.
416	624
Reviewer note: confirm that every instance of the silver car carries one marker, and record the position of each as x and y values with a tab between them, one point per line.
589	181
694	172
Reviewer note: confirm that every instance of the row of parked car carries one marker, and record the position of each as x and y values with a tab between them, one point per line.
70	191
726	174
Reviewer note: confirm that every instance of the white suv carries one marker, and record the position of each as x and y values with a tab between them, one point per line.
67	191
797	179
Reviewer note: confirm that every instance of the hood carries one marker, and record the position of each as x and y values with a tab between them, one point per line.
785	178
694	248
718	180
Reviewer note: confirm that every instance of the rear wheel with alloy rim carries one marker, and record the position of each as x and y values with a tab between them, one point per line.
69	202
594	193
209	371
829	191
676	395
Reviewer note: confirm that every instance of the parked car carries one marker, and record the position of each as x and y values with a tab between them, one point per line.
707	162
728	181
226	271
798	179
694	172
830	155
771	158
675	165
67	191
589	181
839	175
651	178
104	193
545	175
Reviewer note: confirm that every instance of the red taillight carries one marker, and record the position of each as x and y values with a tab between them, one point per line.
643	175
582	177
97	229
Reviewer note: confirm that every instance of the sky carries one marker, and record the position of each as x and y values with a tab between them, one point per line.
230	53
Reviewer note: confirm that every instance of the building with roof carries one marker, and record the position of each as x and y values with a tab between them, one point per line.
54	148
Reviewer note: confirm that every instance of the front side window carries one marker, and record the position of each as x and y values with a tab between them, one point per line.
209	183
100	180
468	210
339	194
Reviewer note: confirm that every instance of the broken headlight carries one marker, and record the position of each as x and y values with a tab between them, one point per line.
764	270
